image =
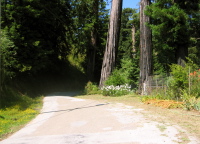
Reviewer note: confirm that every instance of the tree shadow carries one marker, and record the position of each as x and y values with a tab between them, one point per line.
83	107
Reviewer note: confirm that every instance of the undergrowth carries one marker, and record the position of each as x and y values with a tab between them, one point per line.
182	89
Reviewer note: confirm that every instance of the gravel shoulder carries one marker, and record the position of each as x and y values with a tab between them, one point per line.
70	120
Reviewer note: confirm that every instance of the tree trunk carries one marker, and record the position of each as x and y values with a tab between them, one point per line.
133	40
92	50
112	41
145	48
181	53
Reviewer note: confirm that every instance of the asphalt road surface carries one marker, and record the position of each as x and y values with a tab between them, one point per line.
69	120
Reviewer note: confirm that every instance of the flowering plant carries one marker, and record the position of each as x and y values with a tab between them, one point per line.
119	90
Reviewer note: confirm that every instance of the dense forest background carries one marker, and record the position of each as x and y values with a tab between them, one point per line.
59	45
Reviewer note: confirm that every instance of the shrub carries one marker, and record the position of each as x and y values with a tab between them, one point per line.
91	88
178	81
124	75
116	79
183	80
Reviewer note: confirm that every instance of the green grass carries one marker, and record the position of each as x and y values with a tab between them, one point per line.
14	117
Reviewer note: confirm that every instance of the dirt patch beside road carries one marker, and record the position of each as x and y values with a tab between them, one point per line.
188	120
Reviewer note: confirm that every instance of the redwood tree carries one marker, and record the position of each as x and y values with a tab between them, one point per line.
92	50
112	41
145	47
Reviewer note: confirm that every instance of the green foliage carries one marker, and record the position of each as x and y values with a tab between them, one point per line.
86	21
127	49
194	50
179	77
8	59
36	40
12	118
77	59
7	64
178	81
127	62
116	78
91	88
38	31
183	85
123	75
129	19
181	80
173	25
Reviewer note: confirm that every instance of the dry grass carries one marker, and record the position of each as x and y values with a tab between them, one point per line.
165	103
188	120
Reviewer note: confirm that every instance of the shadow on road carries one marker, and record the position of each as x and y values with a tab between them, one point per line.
84	107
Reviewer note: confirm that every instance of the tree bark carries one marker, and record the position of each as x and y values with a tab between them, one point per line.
112	41
92	50
133	40
181	53
145	48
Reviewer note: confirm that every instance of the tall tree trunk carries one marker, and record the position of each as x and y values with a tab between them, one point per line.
133	40
92	50
145	47
112	41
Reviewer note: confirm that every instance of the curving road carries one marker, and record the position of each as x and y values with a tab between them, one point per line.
69	120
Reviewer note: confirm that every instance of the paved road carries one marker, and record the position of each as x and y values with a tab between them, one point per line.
69	120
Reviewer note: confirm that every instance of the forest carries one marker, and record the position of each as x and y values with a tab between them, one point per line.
60	45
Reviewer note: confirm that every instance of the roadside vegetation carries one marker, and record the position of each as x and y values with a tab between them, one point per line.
14	116
182	87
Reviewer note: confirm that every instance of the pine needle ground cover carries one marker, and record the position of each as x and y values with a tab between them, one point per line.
15	117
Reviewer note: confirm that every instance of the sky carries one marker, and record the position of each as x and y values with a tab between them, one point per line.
128	4
131	3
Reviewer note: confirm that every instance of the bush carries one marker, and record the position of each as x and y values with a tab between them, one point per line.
178	81
116	79
183	80
124	75
91	88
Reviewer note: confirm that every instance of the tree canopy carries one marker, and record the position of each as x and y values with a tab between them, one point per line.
65	40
